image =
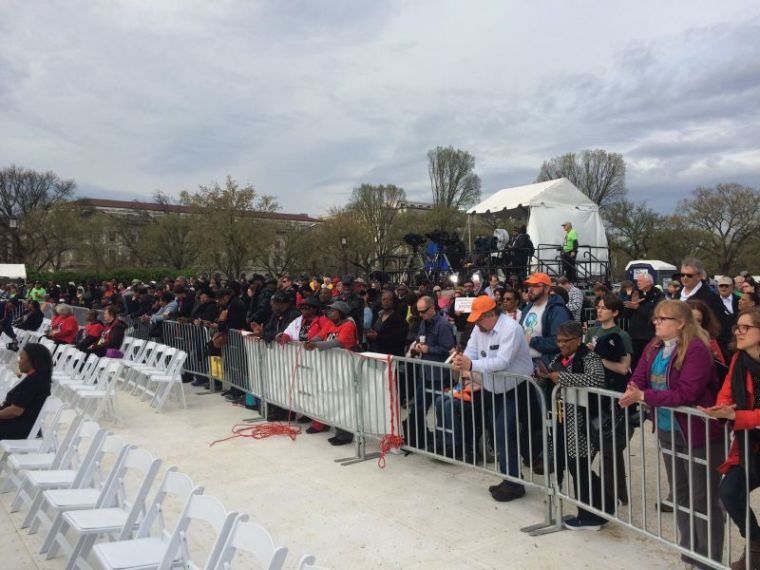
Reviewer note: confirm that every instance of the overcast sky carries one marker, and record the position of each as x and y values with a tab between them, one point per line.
306	100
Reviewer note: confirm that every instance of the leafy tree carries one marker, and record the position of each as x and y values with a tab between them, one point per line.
63	234
452	178
729	217
599	174
23	192
171	227
228	224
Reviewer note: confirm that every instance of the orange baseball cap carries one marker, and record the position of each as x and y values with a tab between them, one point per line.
539	279
481	305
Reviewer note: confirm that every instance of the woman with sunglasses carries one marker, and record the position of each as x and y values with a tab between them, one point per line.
739	403
676	369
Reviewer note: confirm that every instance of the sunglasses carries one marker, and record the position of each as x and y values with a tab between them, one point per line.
689	275
724	286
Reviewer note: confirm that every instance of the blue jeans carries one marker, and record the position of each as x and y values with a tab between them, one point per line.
500	415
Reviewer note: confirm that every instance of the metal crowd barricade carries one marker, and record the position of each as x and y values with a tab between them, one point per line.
137	328
317	383
255	351
235	362
455	419
624	473
189	338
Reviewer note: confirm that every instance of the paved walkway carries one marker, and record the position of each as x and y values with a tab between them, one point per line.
416	513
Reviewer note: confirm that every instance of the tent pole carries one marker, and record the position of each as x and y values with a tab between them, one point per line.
469	232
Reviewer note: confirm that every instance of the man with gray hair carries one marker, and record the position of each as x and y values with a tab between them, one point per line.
693	278
639	311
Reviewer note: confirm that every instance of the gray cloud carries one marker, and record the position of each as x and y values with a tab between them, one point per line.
306	100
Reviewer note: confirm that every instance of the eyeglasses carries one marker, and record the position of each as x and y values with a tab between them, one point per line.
743	329
658	320
567	340
722	286
425	310
689	275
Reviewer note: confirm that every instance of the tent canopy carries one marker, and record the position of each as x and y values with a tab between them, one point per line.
12	271
550	204
553	193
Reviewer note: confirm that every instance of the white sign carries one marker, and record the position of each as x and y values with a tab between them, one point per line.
463	304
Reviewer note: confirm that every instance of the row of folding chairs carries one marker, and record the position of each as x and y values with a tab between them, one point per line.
153	371
93	485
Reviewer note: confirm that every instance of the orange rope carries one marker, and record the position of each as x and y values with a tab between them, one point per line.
269	429
392	440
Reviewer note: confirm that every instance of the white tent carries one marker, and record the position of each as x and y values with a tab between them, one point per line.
549	205
12	270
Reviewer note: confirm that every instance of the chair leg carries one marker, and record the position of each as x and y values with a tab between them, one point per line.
81	550
20	497
50	546
35	506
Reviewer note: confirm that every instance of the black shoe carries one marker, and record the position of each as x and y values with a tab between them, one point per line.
304	420
226	393
12	346
341	439
199	382
312	429
663	507
508	492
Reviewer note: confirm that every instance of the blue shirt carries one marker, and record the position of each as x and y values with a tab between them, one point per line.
658	381
439	338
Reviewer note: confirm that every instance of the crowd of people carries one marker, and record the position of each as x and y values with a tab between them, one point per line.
696	343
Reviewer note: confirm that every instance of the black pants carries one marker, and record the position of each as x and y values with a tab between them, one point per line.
639	344
568	266
589	494
733	495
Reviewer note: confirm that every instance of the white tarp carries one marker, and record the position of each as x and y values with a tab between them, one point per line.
549	205
12	271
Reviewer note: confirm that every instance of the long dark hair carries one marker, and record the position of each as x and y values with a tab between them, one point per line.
39	359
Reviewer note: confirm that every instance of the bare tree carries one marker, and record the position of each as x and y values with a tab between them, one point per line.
599	174
632	227
729	214
452	178
377	207
23	192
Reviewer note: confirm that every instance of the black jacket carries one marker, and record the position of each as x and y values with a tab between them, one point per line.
30	321
391	334
640	326
278	323
264	307
208	311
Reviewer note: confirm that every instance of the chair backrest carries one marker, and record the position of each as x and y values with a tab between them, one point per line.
204	508
176	364
89	366
254	539
164	359
135	350
147	354
126	344
94	474
65	448
60	356
50	408
174	484
68	455
155	355
144	465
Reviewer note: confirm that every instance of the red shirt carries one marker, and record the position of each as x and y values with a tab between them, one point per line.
344	332
94	329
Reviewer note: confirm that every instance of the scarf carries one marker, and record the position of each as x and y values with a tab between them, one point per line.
744	364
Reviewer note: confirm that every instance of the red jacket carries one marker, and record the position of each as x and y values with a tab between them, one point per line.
94	329
745	419
344	332
64	329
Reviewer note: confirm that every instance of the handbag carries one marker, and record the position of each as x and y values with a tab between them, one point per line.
114	353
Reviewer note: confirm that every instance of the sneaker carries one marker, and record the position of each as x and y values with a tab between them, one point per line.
12	346
493	488
508	491
575	523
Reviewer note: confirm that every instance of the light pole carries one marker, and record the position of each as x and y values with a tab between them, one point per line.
344	246
13	225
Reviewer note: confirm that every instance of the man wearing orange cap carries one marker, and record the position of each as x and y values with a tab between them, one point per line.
497	345
542	317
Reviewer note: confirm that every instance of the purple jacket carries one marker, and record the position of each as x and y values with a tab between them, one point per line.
695	384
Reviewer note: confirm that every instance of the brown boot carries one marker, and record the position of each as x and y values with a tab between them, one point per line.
754	556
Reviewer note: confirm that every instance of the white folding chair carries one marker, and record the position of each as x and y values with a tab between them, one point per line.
89	440
247	536
17	462
120	516
160	358
160	385
96	399
47	425
84	491
149	546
